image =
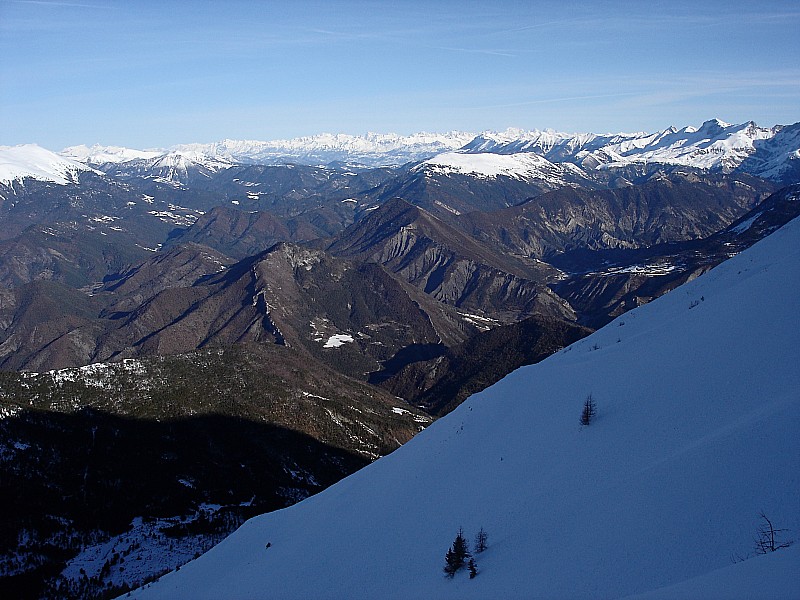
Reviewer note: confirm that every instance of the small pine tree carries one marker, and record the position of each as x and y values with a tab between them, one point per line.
589	410
473	569
461	548
480	541
450	564
457	555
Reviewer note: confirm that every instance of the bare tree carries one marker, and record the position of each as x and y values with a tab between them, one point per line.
480	541
589	410
766	538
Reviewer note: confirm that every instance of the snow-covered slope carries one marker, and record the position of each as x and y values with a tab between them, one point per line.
715	145
695	434
99	155
30	160
373	149
174	167
523	165
777	158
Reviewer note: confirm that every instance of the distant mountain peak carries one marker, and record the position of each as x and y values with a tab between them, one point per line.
715	123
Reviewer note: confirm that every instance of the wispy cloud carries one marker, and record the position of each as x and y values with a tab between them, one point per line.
65	4
477	51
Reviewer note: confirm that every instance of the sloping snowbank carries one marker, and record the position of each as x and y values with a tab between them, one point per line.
695	434
30	160
775	576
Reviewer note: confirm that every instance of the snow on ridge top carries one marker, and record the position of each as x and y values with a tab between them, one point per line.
374	142
490	165
715	145
184	158
31	160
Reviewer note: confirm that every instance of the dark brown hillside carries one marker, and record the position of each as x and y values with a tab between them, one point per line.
240	234
448	195
347	314
448	265
73	256
178	267
46	324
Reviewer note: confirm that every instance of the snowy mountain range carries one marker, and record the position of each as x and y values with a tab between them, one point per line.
714	145
772	153
694	437
373	149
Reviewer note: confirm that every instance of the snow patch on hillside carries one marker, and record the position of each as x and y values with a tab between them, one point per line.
337	340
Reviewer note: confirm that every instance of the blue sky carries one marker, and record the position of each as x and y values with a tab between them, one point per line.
143	74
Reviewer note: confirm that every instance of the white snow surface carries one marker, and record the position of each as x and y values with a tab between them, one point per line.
695	434
523	165
715	145
774	576
30	160
337	340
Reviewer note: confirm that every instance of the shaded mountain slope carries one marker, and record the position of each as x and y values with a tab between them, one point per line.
605	283
678	207
446	191
440	384
47	323
201	440
178	267
240	234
